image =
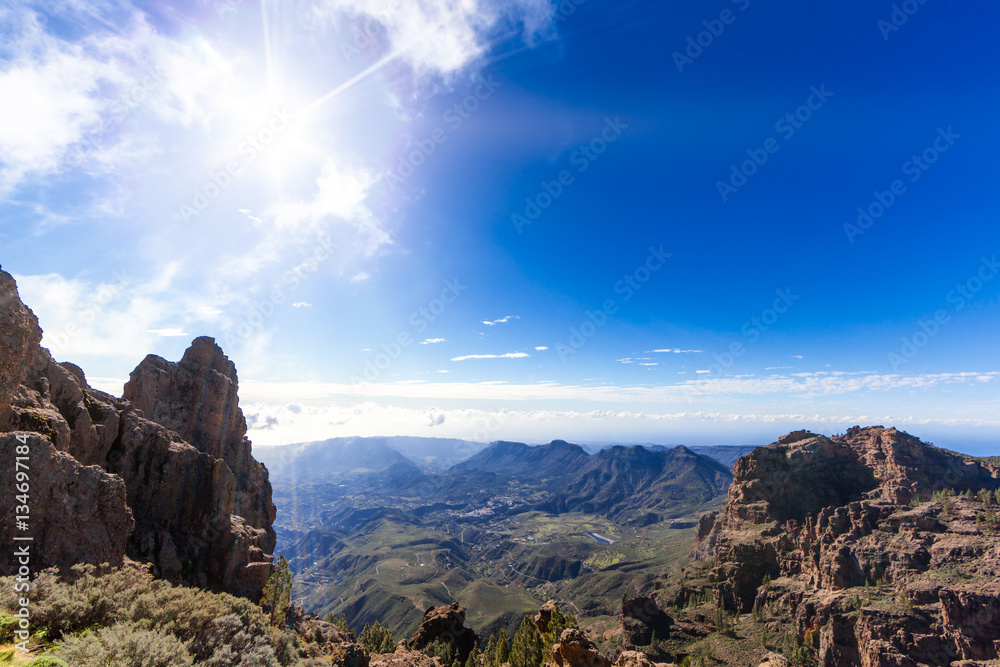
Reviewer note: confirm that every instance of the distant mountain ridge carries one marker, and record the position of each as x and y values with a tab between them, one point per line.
517	458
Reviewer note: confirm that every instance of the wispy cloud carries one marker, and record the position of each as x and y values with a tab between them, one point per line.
168	332
432	341
541	348
502	320
301	304
442	38
508	355
676	351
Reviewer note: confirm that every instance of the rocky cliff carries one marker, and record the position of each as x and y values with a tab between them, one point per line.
167	479
883	549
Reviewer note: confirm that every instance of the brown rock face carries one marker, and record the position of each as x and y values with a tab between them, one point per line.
544	616
202	514
637	659
642	619
446	623
576	650
75	514
828	520
197	398
19	338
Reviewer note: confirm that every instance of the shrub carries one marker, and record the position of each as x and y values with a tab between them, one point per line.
125	645
8	624
92	607
378	639
46	661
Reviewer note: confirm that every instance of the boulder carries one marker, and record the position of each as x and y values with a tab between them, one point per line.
447	624
576	650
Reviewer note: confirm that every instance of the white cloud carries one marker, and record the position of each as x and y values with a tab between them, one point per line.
301	304
432	341
442	37
541	348
508	355
796	356
372	418
168	333
678	351
502	320
360	277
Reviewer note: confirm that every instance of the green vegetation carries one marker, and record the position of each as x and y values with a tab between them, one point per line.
527	647
378	638
278	592
91	617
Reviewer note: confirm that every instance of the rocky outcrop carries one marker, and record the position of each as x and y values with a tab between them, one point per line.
197	398
447	624
404	657
543	619
774	660
643	620
338	646
576	650
72	513
19	338
844	533
637	659
202	514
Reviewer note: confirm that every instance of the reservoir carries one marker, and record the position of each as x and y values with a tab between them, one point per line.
600	538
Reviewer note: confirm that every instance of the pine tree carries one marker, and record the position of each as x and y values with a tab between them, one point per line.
503	648
526	647
475	657
490	656
278	591
376	638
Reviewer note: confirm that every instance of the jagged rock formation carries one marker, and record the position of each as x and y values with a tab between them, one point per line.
543	619
637	659
19	337
197	398
642	619
824	519
202	514
576	650
445	623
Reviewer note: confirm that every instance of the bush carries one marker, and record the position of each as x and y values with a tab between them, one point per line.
46	661
90	608
8	624
125	645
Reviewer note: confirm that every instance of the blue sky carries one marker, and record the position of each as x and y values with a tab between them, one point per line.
701	222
